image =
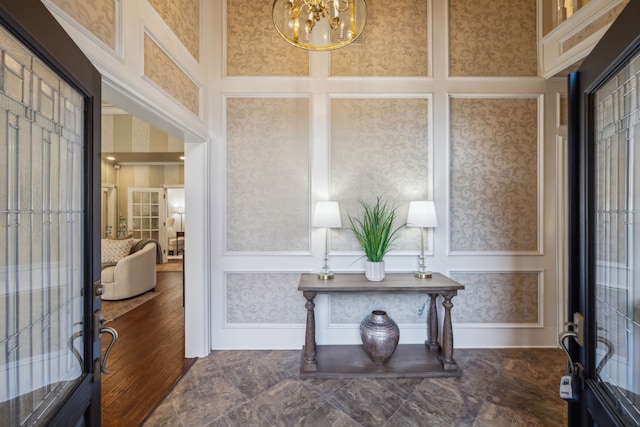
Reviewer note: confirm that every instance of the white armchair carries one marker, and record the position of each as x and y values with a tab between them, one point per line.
132	275
175	243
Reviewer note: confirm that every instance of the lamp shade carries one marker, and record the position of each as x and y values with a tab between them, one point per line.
422	214
327	215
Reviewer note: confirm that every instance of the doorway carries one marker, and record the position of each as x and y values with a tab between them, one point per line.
149	356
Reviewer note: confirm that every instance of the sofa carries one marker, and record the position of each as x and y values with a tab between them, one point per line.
128	272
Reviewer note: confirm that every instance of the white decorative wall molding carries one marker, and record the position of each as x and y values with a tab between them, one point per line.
267	174
172	87
79	32
502	178
562	252
563	48
323	90
505	305
263	298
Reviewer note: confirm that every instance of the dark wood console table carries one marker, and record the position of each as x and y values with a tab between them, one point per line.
409	360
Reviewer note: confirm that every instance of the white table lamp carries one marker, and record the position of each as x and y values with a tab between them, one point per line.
326	215
422	214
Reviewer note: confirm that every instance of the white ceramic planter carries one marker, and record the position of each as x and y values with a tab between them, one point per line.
374	271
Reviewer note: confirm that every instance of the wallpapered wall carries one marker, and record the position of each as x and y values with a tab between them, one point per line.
487	173
97	16
267	174
256	49
183	17
494	174
492	38
166	74
385	51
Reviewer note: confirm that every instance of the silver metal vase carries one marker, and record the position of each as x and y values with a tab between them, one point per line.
380	335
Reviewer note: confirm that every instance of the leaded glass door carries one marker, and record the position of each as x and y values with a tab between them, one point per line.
605	225
49	127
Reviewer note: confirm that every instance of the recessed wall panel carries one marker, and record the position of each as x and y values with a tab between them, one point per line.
183	17
97	16
494	174
264	298
497	297
489	38
379	147
254	47
168	76
267	179
395	42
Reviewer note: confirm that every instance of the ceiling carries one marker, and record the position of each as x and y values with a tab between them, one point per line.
143	158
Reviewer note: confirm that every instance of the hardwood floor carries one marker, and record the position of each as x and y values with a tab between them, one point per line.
148	358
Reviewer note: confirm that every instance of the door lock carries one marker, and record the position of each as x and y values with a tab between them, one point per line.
571	383
98	289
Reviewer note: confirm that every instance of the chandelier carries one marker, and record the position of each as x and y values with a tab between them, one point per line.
319	24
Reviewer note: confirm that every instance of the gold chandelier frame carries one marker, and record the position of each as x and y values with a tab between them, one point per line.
337	23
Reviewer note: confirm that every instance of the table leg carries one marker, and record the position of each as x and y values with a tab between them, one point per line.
310	364
447	333
432	326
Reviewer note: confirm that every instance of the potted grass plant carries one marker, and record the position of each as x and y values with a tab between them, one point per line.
375	233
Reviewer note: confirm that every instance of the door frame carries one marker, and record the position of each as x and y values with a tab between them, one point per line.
618	45
31	23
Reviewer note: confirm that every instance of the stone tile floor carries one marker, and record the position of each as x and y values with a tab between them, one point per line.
499	387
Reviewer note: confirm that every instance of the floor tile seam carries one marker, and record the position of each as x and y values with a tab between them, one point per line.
396	411
252	400
233	408
327	395
396	394
407	402
304	385
237	388
342	411
179	414
532	385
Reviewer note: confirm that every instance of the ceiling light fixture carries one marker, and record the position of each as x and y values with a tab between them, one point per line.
319	24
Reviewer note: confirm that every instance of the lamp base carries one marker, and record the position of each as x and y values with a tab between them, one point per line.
423	274
325	276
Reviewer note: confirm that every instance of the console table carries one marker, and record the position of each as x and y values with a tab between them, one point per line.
409	360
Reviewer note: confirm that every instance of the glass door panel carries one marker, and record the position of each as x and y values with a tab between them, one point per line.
42	224
145	211
617	239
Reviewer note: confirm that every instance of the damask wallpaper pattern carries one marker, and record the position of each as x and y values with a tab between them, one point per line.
267	178
489	38
497	297
395	42
183	17
494	174
379	147
254	48
166	74
250	298
97	16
